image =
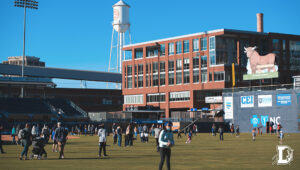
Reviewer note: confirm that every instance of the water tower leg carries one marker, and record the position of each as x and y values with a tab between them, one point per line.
129	35
121	53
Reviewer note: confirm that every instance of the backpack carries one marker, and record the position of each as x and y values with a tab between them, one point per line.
21	134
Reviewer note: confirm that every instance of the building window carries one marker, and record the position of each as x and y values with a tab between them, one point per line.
195	44
275	45
171	78
140	81
186	46
212	43
162	78
212	58
135	82
180	96
203	61
295	55
133	99
106	101
195	62
147	68
152	52
155	79
195	76
129	70
162	49
178	64
171	65
226	50
203	76
157	97
135	69
186	64
178	47
138	53
162	67
147	77
186	77
219	76
178	77
203	44
140	68
128	55
171	48
155	67
210	76
129	82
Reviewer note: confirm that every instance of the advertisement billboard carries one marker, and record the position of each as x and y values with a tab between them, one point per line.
228	107
260	67
284	99
247	101
264	100
213	99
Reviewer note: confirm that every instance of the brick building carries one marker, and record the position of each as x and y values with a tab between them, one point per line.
177	73
28	61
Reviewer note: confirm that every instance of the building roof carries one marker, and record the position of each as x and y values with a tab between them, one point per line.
196	34
121	3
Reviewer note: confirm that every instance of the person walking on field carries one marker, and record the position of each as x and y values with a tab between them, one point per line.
102	140
119	134
1	149
166	141
221	131
13	135
26	140
253	134
237	130
61	136
157	130
213	129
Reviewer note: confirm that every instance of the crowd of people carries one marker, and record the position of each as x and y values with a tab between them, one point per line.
163	134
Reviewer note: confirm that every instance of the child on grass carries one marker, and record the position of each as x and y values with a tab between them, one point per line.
253	134
189	138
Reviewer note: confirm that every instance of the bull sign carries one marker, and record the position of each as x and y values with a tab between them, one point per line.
260	67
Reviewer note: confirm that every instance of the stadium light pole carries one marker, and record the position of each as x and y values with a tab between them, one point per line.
25	4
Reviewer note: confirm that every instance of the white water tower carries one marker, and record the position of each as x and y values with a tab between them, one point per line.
121	25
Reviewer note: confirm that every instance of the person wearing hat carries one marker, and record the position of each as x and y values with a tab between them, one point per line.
61	137
166	141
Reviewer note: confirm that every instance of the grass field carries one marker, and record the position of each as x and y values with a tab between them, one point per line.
205	152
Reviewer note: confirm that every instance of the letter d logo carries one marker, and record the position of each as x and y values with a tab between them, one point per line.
289	157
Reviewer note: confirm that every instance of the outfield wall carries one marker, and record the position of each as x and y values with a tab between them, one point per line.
257	108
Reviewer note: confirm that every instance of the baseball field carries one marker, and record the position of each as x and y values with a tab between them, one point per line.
204	152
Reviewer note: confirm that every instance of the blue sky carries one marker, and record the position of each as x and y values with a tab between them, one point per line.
77	34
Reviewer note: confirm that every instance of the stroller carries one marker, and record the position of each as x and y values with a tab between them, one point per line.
38	144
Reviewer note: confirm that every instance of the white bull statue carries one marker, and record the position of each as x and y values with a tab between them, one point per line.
258	62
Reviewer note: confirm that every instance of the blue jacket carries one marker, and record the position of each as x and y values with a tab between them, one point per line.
164	138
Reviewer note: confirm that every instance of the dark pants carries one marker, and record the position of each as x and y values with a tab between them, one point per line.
115	138
157	144
221	136
102	146
61	146
126	140
165	152
1	149
25	150
130	139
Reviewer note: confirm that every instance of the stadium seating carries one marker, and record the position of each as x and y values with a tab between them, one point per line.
15	107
